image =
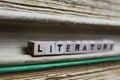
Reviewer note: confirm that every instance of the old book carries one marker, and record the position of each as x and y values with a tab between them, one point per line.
48	65
103	71
74	11
53	20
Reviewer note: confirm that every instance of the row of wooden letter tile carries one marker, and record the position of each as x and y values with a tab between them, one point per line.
68	47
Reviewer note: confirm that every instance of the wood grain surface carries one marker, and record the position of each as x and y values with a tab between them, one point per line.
101	71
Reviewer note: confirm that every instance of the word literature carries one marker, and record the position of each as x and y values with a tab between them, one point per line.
36	48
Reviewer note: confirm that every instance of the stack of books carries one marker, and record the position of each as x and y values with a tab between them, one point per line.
36	34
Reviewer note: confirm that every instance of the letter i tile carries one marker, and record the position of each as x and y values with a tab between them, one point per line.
50	47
